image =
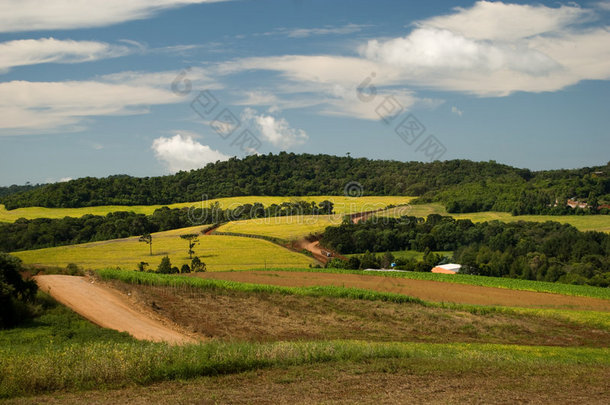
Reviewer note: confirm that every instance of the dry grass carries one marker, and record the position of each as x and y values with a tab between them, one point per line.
263	317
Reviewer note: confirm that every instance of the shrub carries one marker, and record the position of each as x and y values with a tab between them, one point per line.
16	294
165	267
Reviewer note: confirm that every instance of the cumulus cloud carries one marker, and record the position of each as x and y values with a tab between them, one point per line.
277	131
439	49
46	50
456	111
184	153
32	15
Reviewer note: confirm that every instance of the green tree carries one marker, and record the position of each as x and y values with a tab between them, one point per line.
197	265
16	294
185	268
165	267
192	240
147	238
142	266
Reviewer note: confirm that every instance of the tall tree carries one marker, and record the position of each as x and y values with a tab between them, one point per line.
192	241
147	238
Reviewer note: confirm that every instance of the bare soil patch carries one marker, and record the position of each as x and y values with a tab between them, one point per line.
108	308
263	317
434	291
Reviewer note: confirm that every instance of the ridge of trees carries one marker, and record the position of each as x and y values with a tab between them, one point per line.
461	185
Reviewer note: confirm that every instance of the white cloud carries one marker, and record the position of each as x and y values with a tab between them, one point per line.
499	21
45	50
184	153
32	15
277	131
456	111
490	49
27	107
425	49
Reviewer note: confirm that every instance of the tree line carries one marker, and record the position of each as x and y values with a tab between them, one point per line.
461	185
25	234
547	251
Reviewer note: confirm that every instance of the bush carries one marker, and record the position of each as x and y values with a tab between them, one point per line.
16	294
165	267
197	265
185	268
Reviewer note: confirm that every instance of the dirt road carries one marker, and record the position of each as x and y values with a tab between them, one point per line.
427	290
107	308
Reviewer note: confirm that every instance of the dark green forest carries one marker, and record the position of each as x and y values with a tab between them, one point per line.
461	185
26	234
546	251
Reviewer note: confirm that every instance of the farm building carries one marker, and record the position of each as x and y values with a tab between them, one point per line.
450	268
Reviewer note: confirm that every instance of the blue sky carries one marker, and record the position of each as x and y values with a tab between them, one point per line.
97	87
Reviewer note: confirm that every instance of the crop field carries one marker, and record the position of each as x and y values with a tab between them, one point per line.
433	291
343	205
286	228
581	222
483	281
217	252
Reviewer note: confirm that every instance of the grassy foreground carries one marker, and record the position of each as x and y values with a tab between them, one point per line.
218	252
105	365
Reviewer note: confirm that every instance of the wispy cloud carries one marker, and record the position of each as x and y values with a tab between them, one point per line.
50	50
329	30
27	107
456	111
34	15
491	49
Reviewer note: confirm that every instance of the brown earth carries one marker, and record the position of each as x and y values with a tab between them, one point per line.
434	291
108	308
264	317
319	253
379	381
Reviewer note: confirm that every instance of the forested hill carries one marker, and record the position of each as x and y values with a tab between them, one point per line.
461	185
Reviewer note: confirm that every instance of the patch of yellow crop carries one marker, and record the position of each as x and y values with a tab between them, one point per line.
582	222
218	252
343	205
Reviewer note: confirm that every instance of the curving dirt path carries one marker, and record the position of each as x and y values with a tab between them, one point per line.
107	308
435	291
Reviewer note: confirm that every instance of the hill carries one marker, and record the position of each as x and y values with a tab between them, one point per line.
461	185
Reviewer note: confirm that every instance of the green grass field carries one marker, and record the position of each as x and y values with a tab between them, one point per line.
218	252
343	205
582	222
